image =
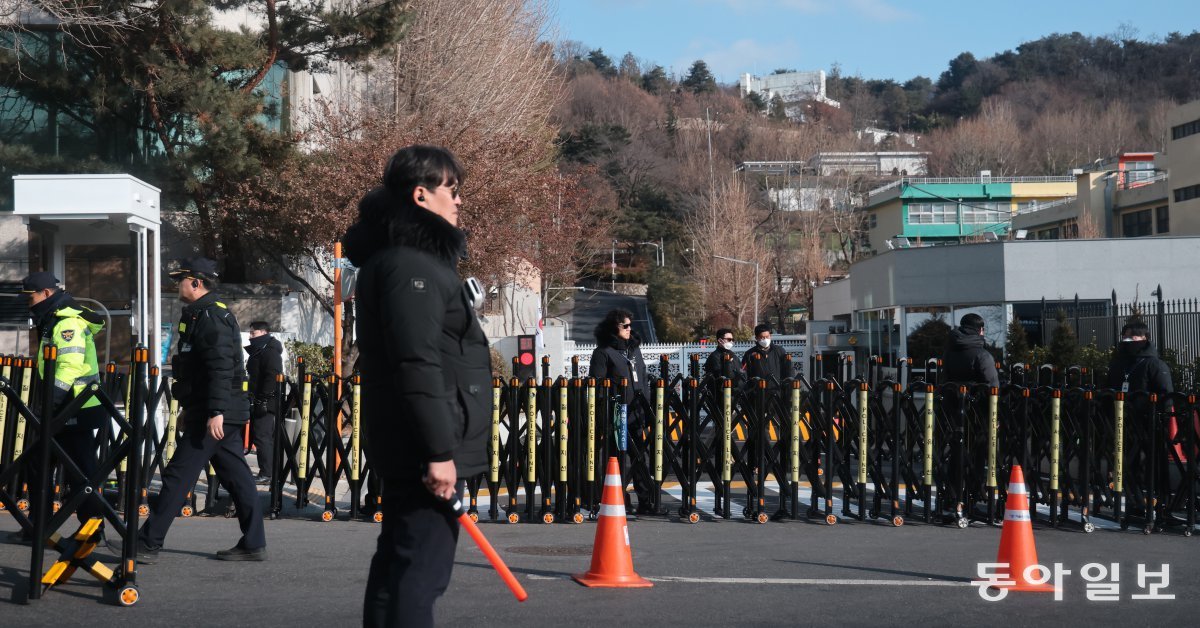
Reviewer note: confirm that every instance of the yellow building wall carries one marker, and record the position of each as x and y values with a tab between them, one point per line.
889	221
1048	191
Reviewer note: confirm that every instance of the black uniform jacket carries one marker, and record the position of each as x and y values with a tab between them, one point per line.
424	360
1144	369
967	361
723	363
210	377
262	367
773	364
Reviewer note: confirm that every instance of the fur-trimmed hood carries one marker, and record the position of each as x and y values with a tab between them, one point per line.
385	222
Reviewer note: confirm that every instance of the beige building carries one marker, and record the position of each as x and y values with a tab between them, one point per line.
1133	194
1183	165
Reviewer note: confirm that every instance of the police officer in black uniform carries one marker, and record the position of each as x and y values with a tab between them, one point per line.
767	361
722	362
210	385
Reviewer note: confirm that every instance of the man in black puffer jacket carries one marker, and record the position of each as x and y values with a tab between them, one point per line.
967	361
426	377
263	367
210	386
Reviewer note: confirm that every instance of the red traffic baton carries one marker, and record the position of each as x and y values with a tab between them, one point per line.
497	563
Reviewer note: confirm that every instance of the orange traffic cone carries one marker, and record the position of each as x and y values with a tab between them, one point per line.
612	562
1016	538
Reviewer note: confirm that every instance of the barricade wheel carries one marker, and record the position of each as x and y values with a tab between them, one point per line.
1187	531
128	596
377	517
327	515
831	519
577	518
23	505
143	510
693	517
897	521
1147	530
474	517
56	506
746	513
186	511
548	517
962	523
513	517
1089	527
762	517
1124	523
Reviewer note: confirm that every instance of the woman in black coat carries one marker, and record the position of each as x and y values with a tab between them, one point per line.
426	374
618	356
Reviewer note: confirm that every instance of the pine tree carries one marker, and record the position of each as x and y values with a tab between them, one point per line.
1063	350
656	81
699	79
172	98
1016	347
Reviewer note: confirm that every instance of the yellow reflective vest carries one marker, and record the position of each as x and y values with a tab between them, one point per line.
75	339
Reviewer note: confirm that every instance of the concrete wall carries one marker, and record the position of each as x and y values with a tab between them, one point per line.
1018	271
832	299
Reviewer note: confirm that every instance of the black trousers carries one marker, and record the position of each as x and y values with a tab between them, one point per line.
78	441
413	556
194	449
262	434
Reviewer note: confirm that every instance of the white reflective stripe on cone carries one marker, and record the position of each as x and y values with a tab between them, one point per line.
612	480
1017	489
612	511
1016	515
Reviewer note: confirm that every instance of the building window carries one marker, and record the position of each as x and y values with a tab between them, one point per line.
1137	224
1162	219
984	214
1188	193
932	214
1048	234
874	221
1185	129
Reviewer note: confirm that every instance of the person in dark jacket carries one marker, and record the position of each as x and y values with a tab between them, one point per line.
618	356
766	361
426	373
1136	368
263	367
722	362
1136	365
967	360
210	386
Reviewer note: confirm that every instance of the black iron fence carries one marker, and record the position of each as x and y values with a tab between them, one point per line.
1174	327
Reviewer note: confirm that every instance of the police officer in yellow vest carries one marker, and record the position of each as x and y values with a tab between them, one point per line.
71	328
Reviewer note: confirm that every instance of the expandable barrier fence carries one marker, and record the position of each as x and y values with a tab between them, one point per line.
838	446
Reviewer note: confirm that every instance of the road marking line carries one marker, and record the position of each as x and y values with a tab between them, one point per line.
791	581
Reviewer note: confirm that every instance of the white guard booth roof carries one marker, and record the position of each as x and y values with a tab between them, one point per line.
92	209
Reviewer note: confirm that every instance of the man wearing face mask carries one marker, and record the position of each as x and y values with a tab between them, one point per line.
722	362
767	361
1136	367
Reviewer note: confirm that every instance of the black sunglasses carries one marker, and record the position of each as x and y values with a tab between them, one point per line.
625	325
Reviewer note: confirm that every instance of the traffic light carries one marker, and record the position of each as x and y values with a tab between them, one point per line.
526	358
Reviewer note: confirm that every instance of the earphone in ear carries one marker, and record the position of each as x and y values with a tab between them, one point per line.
195	284
421	198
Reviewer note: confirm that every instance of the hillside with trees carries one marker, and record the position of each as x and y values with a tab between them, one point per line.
664	149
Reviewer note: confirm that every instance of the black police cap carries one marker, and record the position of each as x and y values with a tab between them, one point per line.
198	267
39	281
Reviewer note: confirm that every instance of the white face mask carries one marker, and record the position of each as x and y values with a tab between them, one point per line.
765	343
728	346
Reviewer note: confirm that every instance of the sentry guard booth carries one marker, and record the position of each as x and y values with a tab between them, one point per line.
100	235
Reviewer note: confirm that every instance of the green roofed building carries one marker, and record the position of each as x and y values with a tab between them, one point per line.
924	211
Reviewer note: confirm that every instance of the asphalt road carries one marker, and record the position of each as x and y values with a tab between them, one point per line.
714	573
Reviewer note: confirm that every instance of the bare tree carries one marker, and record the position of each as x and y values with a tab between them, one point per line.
726	224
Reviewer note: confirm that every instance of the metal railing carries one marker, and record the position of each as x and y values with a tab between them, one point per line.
968	180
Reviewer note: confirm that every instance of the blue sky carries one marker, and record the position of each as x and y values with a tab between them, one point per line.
875	38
